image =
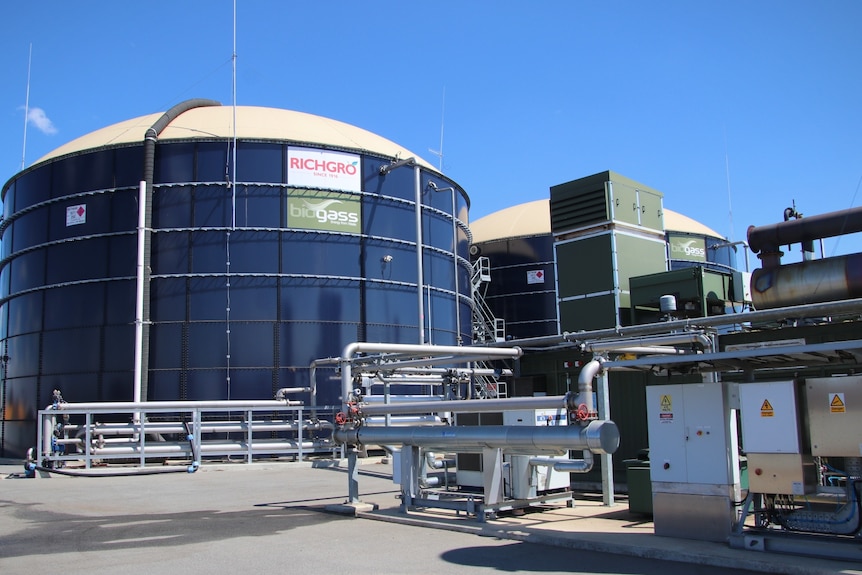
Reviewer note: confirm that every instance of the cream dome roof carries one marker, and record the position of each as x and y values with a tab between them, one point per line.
252	122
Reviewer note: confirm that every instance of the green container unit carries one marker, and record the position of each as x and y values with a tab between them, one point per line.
639	483
606	229
699	292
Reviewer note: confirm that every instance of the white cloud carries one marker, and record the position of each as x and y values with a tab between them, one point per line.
43	123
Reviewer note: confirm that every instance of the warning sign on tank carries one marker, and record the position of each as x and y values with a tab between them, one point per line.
836	403
76	215
766	409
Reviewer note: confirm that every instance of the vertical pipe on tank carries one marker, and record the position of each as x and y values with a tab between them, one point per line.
151	136
455	260
139	292
420	280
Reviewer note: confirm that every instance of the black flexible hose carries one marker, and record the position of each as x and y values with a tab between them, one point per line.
125	473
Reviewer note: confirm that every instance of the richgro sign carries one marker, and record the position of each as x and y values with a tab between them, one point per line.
324	211
310	168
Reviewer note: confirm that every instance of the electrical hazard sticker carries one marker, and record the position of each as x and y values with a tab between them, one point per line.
666	414
766	409
836	403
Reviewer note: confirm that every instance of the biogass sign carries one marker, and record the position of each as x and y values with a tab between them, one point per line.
687	248
324	211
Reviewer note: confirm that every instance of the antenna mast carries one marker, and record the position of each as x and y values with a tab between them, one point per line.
439	153
727	175
27	107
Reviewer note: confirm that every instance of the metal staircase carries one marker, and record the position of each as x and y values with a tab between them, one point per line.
486	328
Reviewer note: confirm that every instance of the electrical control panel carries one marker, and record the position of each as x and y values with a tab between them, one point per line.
835	415
687	438
770	417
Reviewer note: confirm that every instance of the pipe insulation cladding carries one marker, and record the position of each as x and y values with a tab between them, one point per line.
598	437
770	238
807	282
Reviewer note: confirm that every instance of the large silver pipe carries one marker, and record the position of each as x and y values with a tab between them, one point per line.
851	306
281	393
597	437
420	279
351	349
401	399
585	384
313	375
446	370
649	341
468	405
771	237
404	420
102	429
107	406
807	282
174	448
48	423
566	465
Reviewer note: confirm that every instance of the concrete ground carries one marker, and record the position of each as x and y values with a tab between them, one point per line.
272	516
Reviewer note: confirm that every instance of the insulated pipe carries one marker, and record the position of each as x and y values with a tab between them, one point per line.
468	405
145	218
852	306
807	282
404	420
161	427
111	406
402	399
352	349
650	341
288	390
174	448
48	423
313	375
649	350
478	354
597	437
420	278
566	465
771	237
585	384
450	371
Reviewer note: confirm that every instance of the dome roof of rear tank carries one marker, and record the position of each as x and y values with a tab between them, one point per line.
252	123
534	219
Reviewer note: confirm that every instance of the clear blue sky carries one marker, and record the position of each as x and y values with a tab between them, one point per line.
721	104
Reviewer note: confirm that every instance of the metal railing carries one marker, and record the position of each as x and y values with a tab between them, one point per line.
140	432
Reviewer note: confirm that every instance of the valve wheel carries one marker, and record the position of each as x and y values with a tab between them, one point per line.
582	413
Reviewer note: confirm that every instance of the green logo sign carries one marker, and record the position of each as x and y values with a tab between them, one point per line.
326	212
687	248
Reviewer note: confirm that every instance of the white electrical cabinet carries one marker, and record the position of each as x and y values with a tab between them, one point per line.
687	434
770	423
835	416
692	460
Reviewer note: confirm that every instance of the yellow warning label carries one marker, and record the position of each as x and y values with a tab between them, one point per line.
836	403
666	403
766	409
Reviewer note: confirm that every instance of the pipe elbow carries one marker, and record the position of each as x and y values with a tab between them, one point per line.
591	370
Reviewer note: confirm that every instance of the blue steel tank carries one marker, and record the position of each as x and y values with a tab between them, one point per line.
176	257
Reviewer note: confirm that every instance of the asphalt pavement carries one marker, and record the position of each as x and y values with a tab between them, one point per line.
226	518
